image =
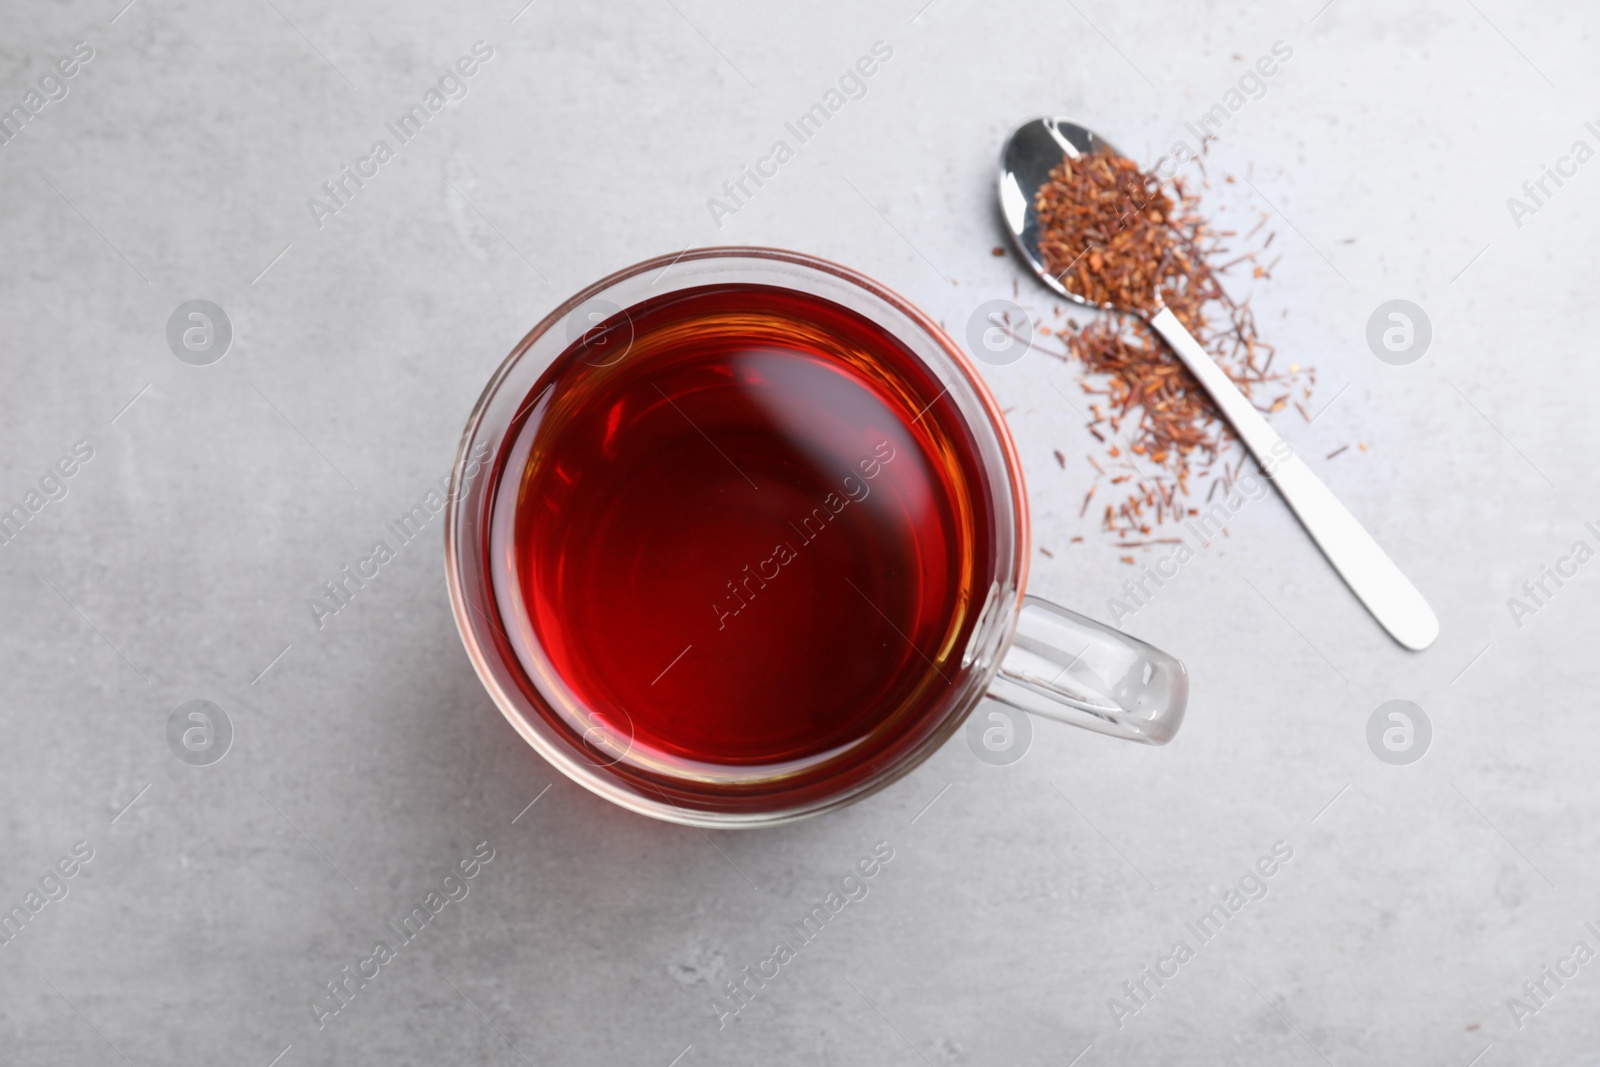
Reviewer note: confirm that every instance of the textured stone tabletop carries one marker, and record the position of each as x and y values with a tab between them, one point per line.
169	523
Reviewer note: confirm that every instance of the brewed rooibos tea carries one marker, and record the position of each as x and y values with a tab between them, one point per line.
753	539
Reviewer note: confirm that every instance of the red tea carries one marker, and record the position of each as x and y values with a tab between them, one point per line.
750	533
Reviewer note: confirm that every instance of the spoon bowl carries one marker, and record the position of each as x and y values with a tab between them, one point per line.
1032	151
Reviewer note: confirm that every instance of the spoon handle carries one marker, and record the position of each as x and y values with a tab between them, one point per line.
1369	573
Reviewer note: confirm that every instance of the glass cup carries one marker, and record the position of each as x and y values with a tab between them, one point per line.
1023	651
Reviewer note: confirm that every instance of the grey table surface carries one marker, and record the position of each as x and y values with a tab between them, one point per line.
177	163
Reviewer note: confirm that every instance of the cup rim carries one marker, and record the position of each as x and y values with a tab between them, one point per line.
557	754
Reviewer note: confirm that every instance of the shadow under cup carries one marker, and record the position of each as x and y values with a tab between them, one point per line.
737	543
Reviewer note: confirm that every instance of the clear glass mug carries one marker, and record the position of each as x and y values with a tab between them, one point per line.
1023	651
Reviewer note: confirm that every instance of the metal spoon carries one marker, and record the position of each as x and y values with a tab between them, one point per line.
1032	152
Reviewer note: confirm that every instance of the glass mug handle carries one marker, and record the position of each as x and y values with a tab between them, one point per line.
1070	668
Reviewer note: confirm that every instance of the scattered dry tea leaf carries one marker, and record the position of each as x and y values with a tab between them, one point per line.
1117	235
